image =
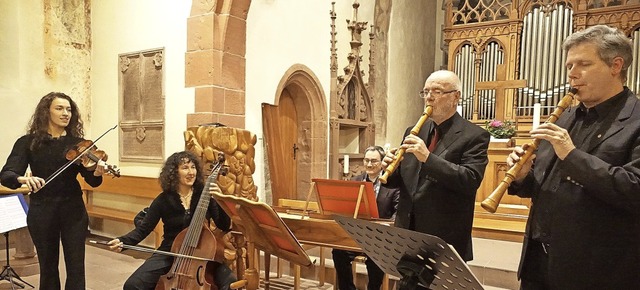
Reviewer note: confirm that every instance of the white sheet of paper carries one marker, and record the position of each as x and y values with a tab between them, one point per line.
13	214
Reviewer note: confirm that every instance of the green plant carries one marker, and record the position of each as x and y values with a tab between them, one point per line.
499	129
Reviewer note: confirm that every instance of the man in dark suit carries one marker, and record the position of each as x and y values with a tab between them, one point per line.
584	227
387	200
438	183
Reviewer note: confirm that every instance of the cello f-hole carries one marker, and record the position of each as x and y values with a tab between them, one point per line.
199	276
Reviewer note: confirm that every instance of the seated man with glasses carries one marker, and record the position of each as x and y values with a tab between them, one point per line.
387	200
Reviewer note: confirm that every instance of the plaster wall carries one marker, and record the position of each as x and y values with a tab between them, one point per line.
35	63
12	95
412	44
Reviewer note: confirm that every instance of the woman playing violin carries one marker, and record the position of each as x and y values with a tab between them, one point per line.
57	212
182	184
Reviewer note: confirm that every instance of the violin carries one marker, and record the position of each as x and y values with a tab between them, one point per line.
91	157
85	151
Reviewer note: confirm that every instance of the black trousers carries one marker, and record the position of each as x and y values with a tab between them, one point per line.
147	275
342	262
50	221
535	268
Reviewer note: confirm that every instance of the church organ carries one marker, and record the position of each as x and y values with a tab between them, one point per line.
526	38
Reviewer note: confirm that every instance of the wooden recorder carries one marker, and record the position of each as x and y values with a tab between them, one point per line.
492	202
414	131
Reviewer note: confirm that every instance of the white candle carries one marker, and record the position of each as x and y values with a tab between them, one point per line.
345	170
536	115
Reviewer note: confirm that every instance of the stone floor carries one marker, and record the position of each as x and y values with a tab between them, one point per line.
105	270
495	265
496	262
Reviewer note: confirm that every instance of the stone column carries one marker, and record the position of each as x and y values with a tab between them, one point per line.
215	61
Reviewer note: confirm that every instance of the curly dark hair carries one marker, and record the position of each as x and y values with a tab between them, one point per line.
39	123
169	179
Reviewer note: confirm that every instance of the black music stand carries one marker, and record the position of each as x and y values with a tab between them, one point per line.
15	209
414	257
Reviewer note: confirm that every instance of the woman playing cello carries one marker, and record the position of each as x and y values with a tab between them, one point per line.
182	184
57	212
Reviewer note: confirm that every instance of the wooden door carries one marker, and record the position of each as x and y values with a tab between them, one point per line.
280	127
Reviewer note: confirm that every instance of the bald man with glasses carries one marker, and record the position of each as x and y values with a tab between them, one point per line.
441	169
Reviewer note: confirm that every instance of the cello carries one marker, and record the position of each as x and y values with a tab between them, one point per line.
196	240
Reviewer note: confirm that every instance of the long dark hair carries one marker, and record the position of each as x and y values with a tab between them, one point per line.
169	179
39	123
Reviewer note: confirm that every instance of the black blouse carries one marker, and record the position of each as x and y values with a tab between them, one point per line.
167	206
44	161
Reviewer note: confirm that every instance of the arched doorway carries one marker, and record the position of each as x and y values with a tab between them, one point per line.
295	133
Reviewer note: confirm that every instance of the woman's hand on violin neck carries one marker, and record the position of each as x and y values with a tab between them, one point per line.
100	169
34	183
115	245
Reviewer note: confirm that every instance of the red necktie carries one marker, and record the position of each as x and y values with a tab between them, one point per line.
434	140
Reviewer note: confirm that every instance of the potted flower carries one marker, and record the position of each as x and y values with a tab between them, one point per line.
499	129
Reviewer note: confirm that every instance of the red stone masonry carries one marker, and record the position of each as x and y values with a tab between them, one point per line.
215	61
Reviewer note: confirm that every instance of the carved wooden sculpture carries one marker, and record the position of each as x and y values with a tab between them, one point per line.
238	146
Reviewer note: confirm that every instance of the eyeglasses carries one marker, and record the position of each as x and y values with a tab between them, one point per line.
435	93
373	161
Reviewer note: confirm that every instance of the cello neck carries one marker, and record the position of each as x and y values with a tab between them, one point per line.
199	216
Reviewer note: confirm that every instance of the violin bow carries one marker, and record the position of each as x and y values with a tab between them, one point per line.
61	169
146	250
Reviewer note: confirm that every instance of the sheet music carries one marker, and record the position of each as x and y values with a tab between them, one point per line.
13	209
